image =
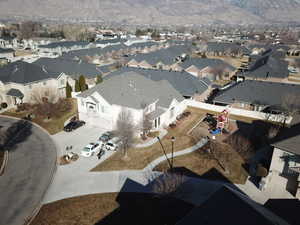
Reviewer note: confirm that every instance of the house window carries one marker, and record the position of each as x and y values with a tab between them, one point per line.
62	81
82	102
30	86
45	83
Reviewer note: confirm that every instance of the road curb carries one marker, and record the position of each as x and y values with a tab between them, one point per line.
4	163
30	218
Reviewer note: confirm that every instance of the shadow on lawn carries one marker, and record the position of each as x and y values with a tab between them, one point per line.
17	133
145	207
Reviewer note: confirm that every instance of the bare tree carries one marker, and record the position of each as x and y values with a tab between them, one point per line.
125	129
273	131
40	95
28	29
146	125
169	184
241	144
291	106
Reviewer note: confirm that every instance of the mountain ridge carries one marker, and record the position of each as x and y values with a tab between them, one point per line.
156	12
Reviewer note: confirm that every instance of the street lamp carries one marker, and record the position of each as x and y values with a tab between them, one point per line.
172	159
170	165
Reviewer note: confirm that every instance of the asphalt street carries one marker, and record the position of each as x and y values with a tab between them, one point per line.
31	164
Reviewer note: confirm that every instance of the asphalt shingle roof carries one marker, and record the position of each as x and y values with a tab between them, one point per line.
166	56
228	207
251	91
223	47
185	83
65	44
131	89
6	50
268	65
69	67
23	72
202	63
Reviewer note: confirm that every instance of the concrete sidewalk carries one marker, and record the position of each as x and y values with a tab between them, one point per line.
163	133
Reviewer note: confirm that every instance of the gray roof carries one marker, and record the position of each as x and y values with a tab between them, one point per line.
166	56
132	90
185	83
69	67
202	63
65	44
229	207
268	65
81	53
15	93
23	72
109	41
6	50
259	92
223	47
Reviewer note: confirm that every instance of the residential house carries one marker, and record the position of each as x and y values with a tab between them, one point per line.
227	201
225	49
64	46
8	42
285	165
19	80
256	95
101	105
210	68
164	59
73	69
7	53
186	84
268	66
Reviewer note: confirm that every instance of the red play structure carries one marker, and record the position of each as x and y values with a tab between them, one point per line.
223	119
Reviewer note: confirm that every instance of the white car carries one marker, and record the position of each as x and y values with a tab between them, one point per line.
113	144
90	149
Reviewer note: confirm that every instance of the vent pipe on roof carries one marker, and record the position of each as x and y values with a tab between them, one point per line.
15	69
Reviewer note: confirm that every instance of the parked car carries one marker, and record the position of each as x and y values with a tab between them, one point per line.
113	144
105	137
90	149
73	125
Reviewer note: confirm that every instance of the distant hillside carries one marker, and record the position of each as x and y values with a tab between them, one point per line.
158	12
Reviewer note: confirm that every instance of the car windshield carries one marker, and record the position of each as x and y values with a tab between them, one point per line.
86	149
110	144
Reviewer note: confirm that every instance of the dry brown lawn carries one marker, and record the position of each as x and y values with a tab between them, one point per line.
83	210
139	158
54	125
23	52
235	62
199	163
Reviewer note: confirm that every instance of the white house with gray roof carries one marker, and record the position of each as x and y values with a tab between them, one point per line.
101	105
19	80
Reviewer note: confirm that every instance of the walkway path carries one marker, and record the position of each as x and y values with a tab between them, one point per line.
163	133
72	180
27	176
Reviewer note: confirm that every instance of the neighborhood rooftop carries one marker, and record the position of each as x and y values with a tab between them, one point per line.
131	90
258	92
187	84
69	67
23	72
202	63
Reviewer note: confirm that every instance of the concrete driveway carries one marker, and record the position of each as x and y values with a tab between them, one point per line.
30	168
78	139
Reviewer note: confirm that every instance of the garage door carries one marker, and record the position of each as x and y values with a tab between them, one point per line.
97	121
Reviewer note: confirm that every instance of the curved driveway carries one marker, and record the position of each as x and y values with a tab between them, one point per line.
27	176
